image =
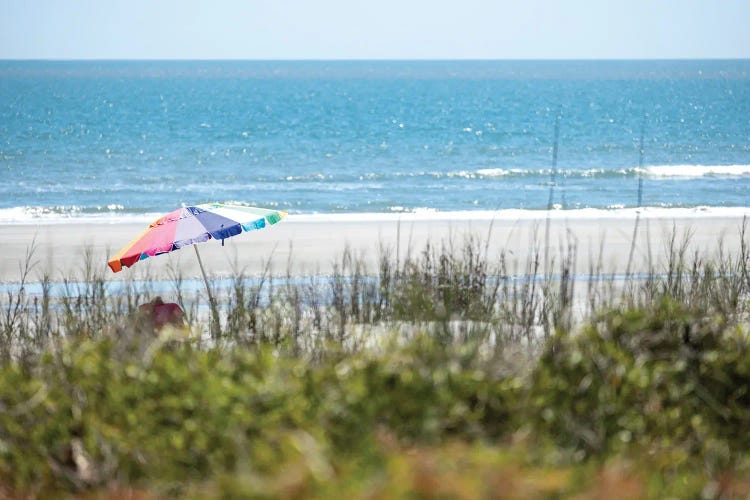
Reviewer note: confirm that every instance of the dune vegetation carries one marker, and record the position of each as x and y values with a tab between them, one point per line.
448	373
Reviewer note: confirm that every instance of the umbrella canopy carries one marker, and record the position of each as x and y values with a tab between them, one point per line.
188	225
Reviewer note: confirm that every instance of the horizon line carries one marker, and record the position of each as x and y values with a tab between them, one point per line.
375	59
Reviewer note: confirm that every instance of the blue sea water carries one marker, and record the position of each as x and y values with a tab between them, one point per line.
123	138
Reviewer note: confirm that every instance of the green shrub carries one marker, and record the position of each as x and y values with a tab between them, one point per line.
91	415
423	392
661	377
102	411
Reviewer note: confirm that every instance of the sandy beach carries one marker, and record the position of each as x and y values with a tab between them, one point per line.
312	244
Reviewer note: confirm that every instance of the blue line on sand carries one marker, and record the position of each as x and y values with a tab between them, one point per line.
165	287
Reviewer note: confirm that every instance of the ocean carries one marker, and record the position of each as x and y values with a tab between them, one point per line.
93	140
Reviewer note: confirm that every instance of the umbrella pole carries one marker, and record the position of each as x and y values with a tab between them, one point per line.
215	328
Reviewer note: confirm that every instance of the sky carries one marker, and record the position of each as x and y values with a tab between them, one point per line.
374	29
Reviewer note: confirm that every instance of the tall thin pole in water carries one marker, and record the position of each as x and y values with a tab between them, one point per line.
640	197
553	179
640	162
553	174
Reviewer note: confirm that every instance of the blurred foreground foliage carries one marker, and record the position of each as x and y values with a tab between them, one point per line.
649	401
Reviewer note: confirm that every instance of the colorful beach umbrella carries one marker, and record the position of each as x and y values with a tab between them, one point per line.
189	225
196	224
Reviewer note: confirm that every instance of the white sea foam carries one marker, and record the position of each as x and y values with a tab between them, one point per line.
67	215
655	171
521	214
493	172
694	171
36	215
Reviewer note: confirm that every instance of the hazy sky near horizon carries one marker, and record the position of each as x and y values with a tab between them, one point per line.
379	29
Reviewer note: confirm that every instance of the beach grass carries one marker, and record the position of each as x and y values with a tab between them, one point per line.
445	373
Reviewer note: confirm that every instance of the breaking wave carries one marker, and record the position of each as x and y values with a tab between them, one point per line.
695	171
